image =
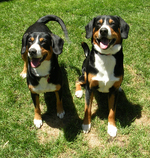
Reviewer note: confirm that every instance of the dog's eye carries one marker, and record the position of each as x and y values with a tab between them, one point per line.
112	23
30	40
99	24
43	42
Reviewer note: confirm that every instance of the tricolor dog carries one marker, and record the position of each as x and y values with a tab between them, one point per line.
40	48
103	67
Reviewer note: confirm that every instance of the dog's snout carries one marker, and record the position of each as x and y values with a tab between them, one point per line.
32	51
103	31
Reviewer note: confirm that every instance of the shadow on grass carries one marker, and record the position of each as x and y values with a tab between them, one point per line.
71	123
126	112
5	0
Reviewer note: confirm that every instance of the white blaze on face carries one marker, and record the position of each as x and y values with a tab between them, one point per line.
108	28
37	47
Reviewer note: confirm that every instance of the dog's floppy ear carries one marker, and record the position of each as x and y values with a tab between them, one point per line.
89	28
124	28
24	43
57	44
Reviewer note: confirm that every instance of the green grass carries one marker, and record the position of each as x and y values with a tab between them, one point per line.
64	138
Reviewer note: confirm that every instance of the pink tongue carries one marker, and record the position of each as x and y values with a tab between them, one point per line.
35	62
104	43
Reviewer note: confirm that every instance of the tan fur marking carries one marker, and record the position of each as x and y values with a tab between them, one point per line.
37	110
79	83
87	115
25	59
32	39
95	35
112	111
116	35
58	86
49	53
118	83
110	21
101	21
31	88
59	103
93	83
41	39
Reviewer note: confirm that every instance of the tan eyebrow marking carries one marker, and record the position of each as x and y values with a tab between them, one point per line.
101	21
41	39
32	38
110	21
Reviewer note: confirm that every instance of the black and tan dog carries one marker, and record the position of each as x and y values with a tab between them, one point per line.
40	48
103	67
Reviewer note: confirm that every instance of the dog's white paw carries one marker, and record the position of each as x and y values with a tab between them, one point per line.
38	123
86	128
79	93
23	75
61	115
112	130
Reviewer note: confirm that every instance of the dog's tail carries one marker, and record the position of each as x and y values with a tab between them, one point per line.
86	49
47	18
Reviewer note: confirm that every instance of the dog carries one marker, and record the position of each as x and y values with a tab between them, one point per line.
40	50
102	68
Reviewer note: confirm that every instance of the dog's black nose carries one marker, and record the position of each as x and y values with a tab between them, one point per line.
103	31
32	51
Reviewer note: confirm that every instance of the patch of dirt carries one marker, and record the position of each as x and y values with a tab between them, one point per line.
68	153
93	140
137	78
120	140
47	133
144	121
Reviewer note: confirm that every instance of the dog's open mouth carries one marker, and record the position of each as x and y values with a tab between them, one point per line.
36	62
105	43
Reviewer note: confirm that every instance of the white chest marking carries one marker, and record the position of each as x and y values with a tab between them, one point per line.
44	86
43	69
105	65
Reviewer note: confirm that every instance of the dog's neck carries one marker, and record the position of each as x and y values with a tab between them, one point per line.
110	51
43	70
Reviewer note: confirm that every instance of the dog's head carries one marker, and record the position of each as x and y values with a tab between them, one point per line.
40	46
107	31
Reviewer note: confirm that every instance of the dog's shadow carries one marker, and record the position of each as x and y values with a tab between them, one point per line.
71	123
126	111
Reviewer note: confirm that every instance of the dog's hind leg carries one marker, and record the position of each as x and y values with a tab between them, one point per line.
79	83
59	106
37	116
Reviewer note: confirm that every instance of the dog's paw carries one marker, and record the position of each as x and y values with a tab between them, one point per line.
61	115
86	128
38	123
79	93
23	75
120	89
112	130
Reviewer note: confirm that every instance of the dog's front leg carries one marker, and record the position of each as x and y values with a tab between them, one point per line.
112	99
60	110
23	74
37	116
86	126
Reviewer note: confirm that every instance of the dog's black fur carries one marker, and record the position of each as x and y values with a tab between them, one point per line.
103	67
40	48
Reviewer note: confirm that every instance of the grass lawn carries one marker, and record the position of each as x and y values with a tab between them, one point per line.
64	138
